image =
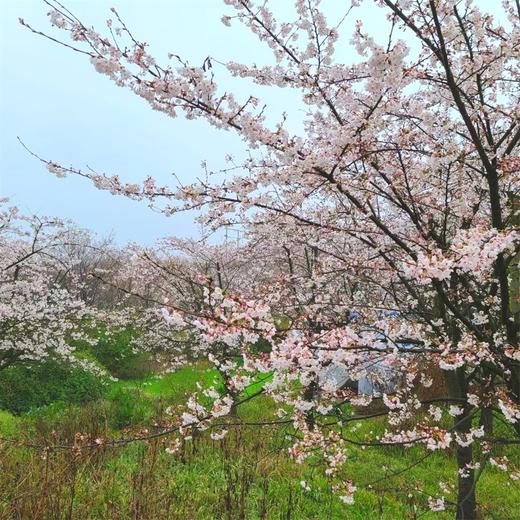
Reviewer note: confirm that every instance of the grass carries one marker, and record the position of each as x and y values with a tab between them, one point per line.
245	475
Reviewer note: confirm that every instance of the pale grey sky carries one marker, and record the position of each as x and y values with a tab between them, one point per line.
63	110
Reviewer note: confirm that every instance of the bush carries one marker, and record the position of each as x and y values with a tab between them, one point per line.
130	407
35	384
114	351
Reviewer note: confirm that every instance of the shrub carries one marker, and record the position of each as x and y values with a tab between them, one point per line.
35	384
114	351
130	407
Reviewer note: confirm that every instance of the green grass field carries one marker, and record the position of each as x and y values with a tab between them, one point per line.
245	475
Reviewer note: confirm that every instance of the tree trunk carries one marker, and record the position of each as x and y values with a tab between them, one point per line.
308	395
466	496
514	299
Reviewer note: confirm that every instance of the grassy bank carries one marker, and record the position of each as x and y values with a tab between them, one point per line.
245	475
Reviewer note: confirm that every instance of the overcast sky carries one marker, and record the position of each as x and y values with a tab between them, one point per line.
63	110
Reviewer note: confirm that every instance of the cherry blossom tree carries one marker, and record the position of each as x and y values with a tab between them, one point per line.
82	255
402	185
39	317
167	288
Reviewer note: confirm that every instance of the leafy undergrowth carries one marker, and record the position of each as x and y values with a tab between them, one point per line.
36	384
245	475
